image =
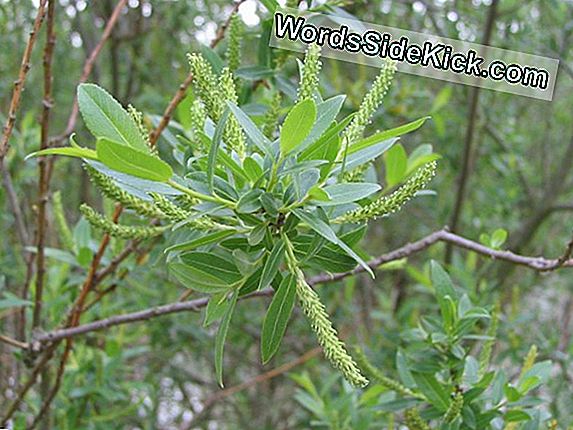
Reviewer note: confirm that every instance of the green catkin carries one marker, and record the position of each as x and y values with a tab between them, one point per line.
414	421
197	118
111	190
234	47
529	360
124	232
333	347
375	374
233	134
310	73
370	104
272	116
177	214
171	210
138	118
186	202
393	202
455	408
65	236
486	351
207	86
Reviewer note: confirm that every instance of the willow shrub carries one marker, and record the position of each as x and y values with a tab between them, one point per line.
248	206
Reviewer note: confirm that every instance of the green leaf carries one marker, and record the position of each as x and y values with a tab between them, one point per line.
217	139
319	150
442	286
341	194
222	335
387	134
297	125
515	416
433	390
251	130
131	161
272	264
252	169
326	231
277	317
403	370
206	272
471	371
11	301
201	241
105	117
396	162
249	202
326	113
215	308
66	151
498	237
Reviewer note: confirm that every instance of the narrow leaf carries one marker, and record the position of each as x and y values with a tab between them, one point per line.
222	335
201	241
341	194
272	264
326	231
217	138
250	129
66	151
277	317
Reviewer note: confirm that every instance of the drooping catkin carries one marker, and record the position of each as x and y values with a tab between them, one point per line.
375	374
333	347
487	348
124	232
272	115
235	36
111	190
370	103
393	202
455	407
310	73
414	421
65	234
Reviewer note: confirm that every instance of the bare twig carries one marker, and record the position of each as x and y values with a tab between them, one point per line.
43	184
19	83
13	342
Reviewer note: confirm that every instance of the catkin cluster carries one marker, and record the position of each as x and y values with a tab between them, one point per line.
310	73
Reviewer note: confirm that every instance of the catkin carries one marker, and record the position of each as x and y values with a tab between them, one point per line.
124	232
310	73
66	237
393	202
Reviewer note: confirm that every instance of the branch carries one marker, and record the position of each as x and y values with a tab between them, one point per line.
19	83
43	182
13	342
539	264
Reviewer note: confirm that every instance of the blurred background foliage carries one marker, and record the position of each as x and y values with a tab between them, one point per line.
159	374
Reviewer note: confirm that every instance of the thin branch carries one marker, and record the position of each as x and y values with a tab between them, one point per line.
13	342
43	184
19	83
539	264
